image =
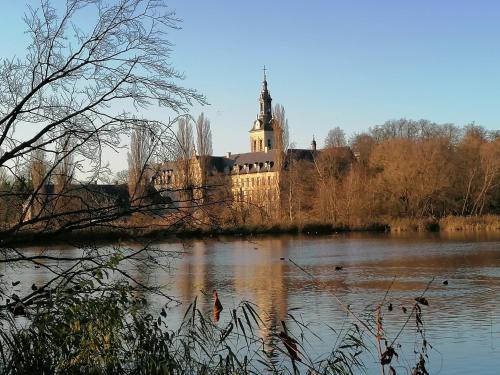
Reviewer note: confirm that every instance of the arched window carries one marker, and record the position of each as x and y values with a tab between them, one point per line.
269	144
254	146
260	144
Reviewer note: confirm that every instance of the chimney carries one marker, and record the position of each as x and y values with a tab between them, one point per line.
228	154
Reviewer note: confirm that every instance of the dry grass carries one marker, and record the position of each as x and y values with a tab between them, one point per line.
413	225
470	223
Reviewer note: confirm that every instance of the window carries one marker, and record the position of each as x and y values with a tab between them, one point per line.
260	144
269	144
269	180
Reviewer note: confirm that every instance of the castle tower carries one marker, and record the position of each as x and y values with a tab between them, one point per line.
261	134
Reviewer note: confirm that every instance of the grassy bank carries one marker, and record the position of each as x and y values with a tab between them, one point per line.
413	225
155	230
470	223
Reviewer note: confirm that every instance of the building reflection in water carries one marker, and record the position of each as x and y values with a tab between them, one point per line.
196	276
261	280
246	270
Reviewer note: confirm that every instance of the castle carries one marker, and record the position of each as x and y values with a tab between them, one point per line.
252	177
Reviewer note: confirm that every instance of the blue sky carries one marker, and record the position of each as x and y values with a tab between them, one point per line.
352	64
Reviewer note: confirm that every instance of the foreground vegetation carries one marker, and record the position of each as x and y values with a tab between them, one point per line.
97	320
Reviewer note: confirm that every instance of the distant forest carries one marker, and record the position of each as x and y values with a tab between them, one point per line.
401	169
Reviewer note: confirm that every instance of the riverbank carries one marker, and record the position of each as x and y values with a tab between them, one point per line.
155	231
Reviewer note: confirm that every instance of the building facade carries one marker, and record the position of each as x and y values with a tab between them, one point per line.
251	178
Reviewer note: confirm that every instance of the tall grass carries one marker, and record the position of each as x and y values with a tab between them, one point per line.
470	223
116	335
413	225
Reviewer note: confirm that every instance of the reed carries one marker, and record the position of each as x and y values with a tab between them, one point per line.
413	225
470	223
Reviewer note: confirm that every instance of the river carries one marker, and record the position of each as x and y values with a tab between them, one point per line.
462	321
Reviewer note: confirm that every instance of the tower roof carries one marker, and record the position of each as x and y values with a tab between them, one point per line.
264	118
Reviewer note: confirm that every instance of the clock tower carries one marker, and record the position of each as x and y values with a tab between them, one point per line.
261	134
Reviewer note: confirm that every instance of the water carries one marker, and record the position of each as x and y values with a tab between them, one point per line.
462	320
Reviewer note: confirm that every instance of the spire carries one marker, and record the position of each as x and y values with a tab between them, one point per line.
265	113
264	82
313	144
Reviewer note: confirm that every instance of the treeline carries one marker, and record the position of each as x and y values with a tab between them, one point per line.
401	169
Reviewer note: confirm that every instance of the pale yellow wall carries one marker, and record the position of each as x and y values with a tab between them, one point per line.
260	189
257	188
259	140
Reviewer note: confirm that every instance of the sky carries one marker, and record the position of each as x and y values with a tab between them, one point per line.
353	64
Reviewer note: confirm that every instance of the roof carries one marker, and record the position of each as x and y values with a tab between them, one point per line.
253	157
301	154
217	164
262	161
253	162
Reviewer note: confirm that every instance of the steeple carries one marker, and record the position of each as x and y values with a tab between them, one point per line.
313	144
261	134
265	113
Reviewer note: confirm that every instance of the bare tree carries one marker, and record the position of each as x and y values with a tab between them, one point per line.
185	150
141	150
185	139
64	168
281	133
362	144
122	177
93	70
77	79
203	135
38	168
185	160
281	144
204	143
335	138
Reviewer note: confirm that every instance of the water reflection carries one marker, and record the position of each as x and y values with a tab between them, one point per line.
463	316
463	319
